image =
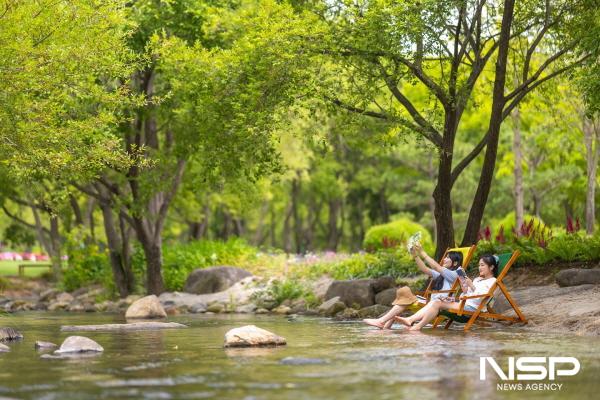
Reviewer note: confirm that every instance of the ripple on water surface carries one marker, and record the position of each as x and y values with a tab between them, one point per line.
323	360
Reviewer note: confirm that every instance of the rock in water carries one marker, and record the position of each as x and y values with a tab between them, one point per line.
250	335
302	361
214	279
146	307
9	334
78	344
44	345
4	348
136	326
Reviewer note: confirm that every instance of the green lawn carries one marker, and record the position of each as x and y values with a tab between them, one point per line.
12	268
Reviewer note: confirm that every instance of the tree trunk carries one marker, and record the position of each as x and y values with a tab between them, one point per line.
489	162
592	153
76	210
115	248
443	206
296	187
91	205
518	170
286	233
55	256
153	252
333	232
431	201
383	204
537	205
126	231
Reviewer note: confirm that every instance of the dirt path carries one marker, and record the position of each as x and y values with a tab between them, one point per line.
550	308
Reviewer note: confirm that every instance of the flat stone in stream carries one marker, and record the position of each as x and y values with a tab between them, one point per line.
4	348
252	336
9	334
40	345
78	344
136	326
302	361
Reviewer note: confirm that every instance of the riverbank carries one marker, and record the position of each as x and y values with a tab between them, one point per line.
548	307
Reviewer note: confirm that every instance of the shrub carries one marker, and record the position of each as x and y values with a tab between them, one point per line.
394	234
563	248
87	265
286	289
510	220
181	259
368	265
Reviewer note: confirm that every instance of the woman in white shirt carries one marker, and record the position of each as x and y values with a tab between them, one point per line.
488	270
443	277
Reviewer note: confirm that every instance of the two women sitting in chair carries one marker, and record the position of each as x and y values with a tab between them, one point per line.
444	276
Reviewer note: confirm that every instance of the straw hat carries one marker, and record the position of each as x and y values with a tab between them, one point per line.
404	296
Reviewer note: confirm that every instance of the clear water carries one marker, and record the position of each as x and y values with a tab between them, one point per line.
355	361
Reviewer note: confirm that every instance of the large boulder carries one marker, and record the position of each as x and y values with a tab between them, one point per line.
214	279
240	293
79	344
250	336
386	297
383	283
373	311
356	292
331	307
321	286
578	276
146	307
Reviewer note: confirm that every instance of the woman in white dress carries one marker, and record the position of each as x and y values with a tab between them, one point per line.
488	270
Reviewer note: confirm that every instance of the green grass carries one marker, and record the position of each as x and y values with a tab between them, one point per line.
12	268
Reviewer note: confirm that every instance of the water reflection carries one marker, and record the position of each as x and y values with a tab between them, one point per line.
325	360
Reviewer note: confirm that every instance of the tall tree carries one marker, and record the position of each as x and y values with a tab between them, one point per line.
417	66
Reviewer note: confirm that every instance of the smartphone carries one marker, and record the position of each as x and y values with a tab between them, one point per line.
461	273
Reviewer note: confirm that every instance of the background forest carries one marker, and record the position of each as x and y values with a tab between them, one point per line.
147	138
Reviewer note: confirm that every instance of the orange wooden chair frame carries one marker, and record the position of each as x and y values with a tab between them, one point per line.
470	317
467	255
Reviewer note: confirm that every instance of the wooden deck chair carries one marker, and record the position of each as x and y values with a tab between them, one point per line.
467	253
506	261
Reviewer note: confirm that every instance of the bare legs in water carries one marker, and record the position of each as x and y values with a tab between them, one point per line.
426	314
386	320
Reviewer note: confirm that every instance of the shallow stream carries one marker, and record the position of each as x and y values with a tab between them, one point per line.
324	359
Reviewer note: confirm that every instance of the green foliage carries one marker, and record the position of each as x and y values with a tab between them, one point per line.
561	248
87	265
509	222
17	235
287	289
3	284
182	258
365	265
394	234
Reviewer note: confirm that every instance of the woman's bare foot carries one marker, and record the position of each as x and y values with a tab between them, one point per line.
404	321
388	324
373	322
